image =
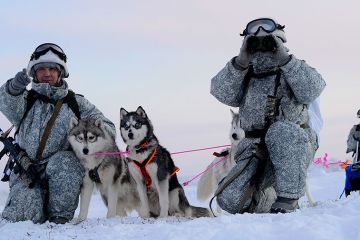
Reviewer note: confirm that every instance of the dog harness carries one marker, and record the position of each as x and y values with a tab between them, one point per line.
142	168
222	154
94	175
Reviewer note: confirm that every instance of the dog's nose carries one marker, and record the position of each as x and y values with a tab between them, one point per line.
234	136
131	135
85	151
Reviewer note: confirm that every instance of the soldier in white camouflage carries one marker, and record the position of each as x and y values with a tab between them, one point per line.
273	91
353	140
55	197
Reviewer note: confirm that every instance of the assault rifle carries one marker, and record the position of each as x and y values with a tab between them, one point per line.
18	160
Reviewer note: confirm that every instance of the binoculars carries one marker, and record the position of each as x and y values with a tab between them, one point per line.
261	44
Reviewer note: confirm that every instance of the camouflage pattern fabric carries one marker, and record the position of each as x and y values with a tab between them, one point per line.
351	141
290	147
63	170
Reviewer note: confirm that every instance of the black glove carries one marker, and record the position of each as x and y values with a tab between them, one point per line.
37	175
31	172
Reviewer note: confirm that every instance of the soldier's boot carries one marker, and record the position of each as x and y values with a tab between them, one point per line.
284	205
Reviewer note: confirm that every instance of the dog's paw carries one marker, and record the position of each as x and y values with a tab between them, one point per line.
77	221
164	214
144	213
110	215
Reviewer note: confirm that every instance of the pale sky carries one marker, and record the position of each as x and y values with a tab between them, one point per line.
162	55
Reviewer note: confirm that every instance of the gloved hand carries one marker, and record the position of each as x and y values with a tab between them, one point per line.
18	84
281	55
32	172
243	58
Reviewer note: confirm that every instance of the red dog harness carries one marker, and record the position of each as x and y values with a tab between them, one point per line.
142	168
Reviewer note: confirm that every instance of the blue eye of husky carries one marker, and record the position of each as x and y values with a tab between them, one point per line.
137	125
127	127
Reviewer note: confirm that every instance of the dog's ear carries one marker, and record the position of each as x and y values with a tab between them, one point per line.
73	122
140	111
123	113
99	123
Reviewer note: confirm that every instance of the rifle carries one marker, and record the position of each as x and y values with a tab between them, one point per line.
18	160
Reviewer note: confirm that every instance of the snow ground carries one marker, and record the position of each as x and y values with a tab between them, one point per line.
330	218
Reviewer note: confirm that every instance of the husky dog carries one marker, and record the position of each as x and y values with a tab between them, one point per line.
209	181
109	173
153	169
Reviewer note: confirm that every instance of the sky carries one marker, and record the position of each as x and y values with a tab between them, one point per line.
161	55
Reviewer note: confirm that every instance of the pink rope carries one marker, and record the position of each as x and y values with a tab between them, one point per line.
181	152
111	153
325	161
198	150
207	169
174	153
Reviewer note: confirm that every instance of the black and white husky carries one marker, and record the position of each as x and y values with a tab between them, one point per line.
209	181
109	173
151	166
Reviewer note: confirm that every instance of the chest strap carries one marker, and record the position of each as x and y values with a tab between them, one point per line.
142	168
47	130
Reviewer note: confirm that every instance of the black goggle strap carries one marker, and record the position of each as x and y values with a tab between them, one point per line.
38	53
276	26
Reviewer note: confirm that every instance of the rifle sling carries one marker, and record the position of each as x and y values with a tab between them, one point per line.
47	130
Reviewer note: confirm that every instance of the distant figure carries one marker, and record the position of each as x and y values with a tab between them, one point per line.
353	140
43	142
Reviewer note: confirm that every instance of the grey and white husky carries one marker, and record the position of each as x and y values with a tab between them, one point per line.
151	166
209	181
109	173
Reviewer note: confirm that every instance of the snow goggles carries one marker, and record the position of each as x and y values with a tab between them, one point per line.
266	24
44	48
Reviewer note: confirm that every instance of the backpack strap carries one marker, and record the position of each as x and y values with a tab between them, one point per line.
70	100
32	96
30	100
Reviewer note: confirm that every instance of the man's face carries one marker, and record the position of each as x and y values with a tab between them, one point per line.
47	75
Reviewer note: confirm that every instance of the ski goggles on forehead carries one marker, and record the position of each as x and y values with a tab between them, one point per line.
267	24
44	48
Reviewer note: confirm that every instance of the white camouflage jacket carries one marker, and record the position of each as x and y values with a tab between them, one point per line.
300	85
32	127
